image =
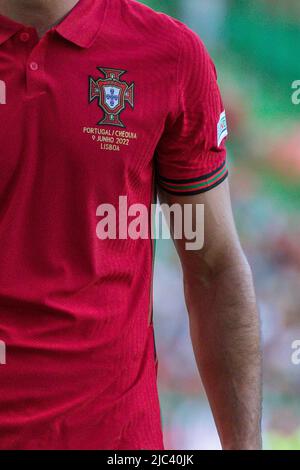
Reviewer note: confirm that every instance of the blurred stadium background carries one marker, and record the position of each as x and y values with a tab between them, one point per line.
254	47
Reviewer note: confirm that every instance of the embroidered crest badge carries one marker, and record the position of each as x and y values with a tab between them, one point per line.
112	94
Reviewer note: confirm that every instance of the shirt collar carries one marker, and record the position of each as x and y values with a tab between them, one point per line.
80	26
8	28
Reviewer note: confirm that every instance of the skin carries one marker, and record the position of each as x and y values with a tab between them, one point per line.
224	322
40	14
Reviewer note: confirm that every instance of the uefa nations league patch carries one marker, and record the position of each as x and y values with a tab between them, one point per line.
222	128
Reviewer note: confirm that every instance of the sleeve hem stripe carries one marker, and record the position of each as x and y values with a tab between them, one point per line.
195	186
192	180
197	191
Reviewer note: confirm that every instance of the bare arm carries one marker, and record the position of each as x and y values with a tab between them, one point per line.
224	322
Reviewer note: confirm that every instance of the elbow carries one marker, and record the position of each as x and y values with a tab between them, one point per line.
207	270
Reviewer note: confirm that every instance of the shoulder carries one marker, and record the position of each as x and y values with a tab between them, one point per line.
159	25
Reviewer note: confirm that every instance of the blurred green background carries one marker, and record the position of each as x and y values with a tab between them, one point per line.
253	45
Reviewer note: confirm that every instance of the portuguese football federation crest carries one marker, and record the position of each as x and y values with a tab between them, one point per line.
112	94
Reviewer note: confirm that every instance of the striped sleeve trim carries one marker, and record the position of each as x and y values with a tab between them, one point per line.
195	185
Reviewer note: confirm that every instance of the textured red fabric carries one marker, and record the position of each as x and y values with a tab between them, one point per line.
74	310
188	149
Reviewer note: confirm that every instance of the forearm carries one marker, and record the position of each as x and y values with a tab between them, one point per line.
225	334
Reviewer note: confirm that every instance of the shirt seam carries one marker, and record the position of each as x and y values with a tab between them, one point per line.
178	81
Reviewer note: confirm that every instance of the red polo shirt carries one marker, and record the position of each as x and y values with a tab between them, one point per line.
87	113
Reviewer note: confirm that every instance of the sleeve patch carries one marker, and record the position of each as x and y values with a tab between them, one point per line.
222	128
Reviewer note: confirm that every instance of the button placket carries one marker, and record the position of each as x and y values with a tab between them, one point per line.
35	67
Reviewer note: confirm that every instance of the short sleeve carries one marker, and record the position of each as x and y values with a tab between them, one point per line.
191	154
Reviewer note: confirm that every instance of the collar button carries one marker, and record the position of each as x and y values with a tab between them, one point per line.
33	66
24	37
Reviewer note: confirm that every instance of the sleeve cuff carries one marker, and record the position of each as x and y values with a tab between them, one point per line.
190	187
